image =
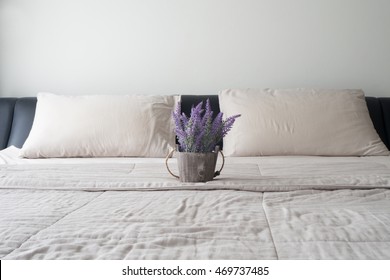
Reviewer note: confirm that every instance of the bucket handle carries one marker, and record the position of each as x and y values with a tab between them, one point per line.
217	173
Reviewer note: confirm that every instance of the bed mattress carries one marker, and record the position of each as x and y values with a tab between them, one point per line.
130	208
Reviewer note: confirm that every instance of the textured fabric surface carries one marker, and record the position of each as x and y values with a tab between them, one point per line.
109	208
300	122
343	224
101	126
250	174
6	115
22	121
385	105
374	106
155	225
247	173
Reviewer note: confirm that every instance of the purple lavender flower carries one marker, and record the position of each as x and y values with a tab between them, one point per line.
200	133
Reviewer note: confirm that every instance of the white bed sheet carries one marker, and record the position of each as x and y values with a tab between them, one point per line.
130	208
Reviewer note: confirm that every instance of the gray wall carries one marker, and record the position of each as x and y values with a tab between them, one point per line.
192	46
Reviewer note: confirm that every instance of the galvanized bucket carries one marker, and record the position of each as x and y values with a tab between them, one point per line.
196	167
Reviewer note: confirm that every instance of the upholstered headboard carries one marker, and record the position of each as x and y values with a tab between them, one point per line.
17	115
16	119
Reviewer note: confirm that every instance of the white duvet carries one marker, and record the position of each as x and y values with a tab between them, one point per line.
130	208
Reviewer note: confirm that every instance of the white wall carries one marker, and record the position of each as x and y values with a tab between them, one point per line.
192	46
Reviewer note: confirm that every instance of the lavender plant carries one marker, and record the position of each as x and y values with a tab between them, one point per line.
200	133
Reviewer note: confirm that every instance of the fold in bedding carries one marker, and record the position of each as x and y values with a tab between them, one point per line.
292	174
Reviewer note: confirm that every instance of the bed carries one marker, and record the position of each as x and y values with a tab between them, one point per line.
275	207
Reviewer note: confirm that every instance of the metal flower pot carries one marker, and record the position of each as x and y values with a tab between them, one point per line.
196	167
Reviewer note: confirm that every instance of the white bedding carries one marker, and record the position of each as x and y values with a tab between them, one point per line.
130	208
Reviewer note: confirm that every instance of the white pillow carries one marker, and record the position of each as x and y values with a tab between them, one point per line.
101	126
299	122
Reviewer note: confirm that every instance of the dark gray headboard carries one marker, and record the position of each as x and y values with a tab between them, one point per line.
16	119
17	115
